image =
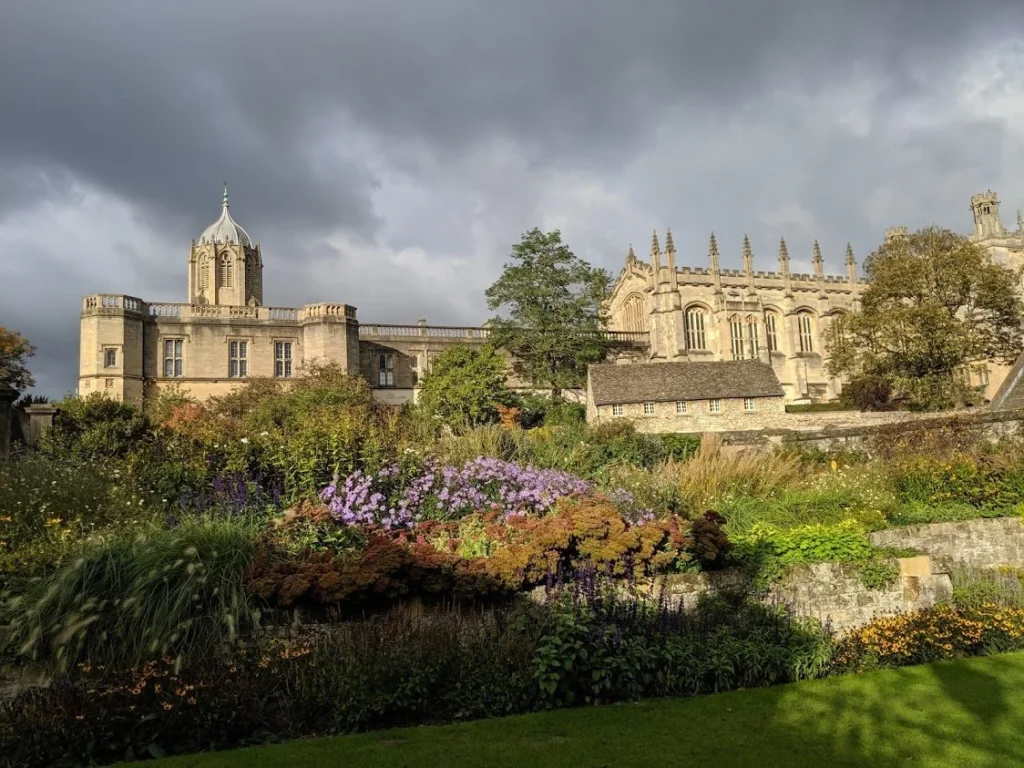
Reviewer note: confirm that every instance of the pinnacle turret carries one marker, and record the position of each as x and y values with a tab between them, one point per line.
713	253
655	246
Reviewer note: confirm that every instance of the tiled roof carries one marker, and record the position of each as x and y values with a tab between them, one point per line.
664	382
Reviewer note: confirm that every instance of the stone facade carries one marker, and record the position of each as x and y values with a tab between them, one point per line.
732	415
832	593
711	313
131	348
968	544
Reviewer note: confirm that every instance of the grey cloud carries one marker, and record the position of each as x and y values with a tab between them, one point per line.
317	112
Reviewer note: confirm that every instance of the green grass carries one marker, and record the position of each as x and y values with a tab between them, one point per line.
964	713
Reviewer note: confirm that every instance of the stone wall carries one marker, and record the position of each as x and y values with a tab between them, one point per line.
971	544
829	592
698	416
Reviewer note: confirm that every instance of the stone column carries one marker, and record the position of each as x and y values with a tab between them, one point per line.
38	420
7	398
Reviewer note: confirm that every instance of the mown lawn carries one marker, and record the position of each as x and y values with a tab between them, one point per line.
965	713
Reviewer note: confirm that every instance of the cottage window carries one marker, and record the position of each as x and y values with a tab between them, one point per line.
696	338
172	358
648	409
238	359
283	359
680	407
110	358
715	406
748	404
386	370
616	410
805	326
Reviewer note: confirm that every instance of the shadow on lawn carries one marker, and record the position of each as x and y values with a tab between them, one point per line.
894	719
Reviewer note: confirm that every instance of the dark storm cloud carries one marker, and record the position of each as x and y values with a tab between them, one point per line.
158	101
299	104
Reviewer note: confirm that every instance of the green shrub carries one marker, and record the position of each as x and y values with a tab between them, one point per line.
868	393
169	592
564	413
974	587
819	407
585	646
95	428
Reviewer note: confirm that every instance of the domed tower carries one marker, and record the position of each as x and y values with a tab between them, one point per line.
224	266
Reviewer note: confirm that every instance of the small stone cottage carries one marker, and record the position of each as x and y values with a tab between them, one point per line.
722	396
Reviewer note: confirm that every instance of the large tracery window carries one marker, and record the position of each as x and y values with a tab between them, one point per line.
805	329
696	337
753	336
633	315
771	331
736	338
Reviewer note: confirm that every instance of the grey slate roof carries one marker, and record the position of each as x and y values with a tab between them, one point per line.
664	382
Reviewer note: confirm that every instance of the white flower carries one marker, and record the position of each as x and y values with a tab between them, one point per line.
245	439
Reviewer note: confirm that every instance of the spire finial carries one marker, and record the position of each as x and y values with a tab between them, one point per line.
630	256
713	245
670	246
747	251
783	250
849	255
225	194
655	247
817	253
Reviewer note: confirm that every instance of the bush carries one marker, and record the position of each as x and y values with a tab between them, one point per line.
818	407
485	558
942	632
868	393
177	592
584	646
564	413
95	428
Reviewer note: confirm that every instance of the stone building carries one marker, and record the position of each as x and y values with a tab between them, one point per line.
778	317
132	349
660	312
699	396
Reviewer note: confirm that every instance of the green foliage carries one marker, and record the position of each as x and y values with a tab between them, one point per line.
396	670
767	552
465	386
817	407
173	592
95	428
868	393
935	304
565	414
974	587
963	480
555	316
14	353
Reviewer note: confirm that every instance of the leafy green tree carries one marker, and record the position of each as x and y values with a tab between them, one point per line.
555	316
936	303
465	386
14	353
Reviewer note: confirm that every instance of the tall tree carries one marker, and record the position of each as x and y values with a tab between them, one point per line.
936	303
14	353
555	321
465	386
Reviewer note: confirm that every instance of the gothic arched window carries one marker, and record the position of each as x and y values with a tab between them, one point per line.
250	273
204	273
633	315
736	337
771	328
805	330
753	336
225	272
696	338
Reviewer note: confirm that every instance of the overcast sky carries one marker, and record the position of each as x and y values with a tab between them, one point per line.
388	153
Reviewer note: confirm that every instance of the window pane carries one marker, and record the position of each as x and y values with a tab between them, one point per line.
177	367
177	347
233	368
288	351
243	346
243	368
288	367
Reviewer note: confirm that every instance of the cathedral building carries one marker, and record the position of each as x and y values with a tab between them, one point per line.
132	349
777	317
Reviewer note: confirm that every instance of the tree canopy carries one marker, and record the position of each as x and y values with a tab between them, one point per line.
465	386
936	303
14	353
555	322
